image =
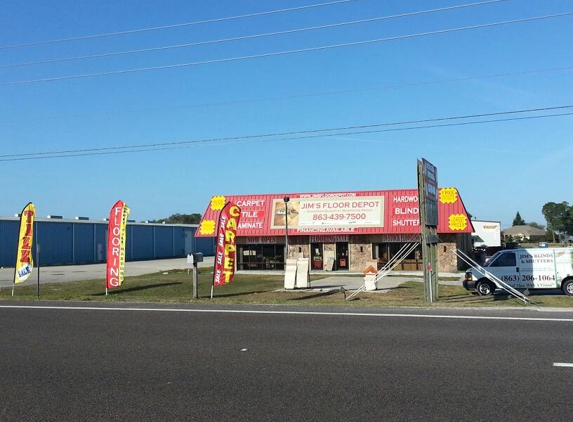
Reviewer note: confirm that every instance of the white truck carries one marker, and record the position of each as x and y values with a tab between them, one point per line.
528	268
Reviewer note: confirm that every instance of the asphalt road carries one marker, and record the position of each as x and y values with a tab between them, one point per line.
90	362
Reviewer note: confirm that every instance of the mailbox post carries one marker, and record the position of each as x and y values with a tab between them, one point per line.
194	259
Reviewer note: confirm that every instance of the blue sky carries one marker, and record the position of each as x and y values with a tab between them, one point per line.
499	168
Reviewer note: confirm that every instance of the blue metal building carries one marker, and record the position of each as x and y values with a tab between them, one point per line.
79	241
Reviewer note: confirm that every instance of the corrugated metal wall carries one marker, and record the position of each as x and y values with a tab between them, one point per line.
206	245
164	242
8	232
83	242
142	238
56	242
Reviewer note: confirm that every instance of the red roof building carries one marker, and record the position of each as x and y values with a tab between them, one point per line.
338	230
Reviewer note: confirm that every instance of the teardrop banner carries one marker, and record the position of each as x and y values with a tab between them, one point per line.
24	256
116	235
226	254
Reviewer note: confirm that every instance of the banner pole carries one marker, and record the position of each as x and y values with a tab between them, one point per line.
216	249
15	266
18	249
14	280
38	263
17	253
37	260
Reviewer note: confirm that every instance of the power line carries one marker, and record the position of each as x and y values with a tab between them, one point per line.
331	135
282	53
249	37
311	94
324	132
178	25
244	141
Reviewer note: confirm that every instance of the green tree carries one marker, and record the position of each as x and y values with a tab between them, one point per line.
181	219
518	221
550	236
559	217
569	221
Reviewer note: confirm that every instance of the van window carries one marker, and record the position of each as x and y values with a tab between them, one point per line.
505	260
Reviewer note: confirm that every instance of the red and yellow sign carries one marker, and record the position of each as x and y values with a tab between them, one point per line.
226	254
448	195
380	212
24	257
458	222
116	234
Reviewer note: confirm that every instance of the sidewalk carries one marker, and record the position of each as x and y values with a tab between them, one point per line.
384	285
353	283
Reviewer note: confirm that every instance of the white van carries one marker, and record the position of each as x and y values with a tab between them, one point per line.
535	268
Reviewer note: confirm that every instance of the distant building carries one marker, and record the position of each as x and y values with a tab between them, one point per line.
84	241
524	233
486	234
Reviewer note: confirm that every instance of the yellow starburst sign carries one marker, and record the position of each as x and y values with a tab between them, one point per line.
218	202
458	222
448	195
207	227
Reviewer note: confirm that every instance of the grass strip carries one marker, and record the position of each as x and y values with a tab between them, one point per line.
177	287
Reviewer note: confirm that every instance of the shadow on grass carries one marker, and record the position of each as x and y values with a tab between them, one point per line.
465	299
400	288
316	295
238	294
139	288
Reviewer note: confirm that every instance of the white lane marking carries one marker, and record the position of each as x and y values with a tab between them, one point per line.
565	365
259	312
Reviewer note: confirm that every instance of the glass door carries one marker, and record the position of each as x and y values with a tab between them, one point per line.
316	256
342	256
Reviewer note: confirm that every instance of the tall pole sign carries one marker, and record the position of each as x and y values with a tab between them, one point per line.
428	201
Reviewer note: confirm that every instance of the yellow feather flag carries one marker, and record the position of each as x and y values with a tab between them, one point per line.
24	256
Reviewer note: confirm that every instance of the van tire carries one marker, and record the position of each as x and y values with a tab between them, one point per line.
485	288
567	287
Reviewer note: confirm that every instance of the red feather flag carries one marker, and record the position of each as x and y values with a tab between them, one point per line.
225	257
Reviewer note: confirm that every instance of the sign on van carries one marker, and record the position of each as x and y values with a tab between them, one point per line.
535	268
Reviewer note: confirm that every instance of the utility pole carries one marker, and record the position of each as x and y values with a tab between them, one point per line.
286	199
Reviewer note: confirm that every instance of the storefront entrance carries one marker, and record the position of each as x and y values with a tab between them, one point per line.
260	257
383	252
342	256
316	256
